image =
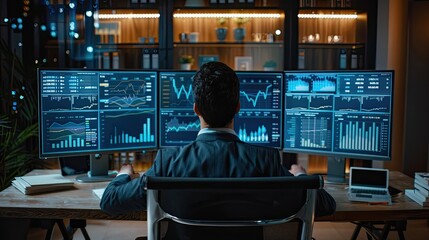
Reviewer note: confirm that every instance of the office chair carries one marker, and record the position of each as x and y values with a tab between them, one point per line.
231	202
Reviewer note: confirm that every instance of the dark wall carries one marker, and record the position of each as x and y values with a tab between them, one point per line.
416	134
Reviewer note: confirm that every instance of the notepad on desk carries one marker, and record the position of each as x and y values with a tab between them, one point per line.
42	183
99	192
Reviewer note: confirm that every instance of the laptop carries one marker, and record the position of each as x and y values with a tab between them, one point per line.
369	185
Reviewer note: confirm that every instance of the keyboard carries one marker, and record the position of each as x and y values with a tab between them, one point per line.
369	191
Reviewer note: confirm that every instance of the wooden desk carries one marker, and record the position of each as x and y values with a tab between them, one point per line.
78	203
82	203
402	207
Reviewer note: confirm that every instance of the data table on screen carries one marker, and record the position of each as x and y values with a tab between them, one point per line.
342	113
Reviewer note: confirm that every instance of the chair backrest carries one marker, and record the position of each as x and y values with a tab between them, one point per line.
253	201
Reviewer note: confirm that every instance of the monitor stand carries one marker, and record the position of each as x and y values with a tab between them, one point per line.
336	170
98	170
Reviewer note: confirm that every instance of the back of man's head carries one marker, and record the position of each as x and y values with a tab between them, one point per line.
216	91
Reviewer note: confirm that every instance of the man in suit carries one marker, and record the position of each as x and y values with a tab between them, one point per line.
216	152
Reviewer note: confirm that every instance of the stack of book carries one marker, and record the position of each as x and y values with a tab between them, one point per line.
420	193
42	183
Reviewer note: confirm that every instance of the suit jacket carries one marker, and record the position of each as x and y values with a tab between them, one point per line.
210	155
218	155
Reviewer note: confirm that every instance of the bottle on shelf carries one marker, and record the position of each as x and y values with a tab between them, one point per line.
343	59
106	60
354	64
115	60
301	59
146	58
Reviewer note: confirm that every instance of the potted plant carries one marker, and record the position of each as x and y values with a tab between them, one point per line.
18	117
186	62
221	29
240	31
270	65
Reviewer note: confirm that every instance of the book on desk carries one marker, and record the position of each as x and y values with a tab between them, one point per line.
420	193
422	178
42	183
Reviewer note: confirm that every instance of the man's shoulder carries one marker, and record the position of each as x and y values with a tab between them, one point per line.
258	150
258	147
170	150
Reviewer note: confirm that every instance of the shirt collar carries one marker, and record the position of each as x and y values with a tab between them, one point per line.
217	130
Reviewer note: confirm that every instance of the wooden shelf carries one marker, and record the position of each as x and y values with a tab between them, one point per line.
331	45
229	44
126	45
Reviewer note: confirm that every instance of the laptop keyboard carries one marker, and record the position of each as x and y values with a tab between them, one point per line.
367	191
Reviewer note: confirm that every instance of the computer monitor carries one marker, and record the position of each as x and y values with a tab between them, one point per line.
96	111
259	119
179	125
258	122
341	114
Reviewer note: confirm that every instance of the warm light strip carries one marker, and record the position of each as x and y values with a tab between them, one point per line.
328	16
226	15
128	15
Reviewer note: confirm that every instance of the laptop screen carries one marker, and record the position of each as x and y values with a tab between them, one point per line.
369	177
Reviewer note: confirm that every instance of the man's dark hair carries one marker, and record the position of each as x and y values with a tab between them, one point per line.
216	91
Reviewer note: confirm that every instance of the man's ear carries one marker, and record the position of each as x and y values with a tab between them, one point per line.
196	110
238	107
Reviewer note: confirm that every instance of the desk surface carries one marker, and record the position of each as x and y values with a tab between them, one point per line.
82	203
402	208
78	203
